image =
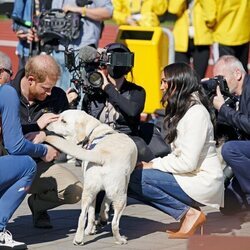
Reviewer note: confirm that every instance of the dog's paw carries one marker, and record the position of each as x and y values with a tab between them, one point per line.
90	230
122	240
78	241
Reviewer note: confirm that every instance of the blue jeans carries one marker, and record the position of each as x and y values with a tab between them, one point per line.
237	156
160	190
16	176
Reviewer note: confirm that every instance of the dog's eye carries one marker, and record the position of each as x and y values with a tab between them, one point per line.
63	121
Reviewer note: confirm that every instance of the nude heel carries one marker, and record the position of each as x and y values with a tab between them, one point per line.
197	224
202	230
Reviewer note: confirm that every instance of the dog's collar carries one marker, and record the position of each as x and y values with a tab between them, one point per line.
85	141
96	140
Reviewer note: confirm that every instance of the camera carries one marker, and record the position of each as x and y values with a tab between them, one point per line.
211	84
120	60
86	75
55	27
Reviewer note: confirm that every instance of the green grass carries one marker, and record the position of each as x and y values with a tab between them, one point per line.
3	17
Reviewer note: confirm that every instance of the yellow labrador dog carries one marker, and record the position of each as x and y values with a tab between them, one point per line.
109	159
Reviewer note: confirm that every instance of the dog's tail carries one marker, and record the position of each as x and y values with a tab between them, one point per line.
71	149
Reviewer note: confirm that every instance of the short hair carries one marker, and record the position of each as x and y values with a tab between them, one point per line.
232	62
5	61
41	67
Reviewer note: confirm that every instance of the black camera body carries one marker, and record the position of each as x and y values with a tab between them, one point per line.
211	84
85	67
93	78
112	59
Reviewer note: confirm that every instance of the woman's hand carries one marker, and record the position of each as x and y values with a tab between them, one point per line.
145	165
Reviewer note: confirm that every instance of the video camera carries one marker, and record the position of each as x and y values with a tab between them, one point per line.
57	26
54	26
86	75
113	59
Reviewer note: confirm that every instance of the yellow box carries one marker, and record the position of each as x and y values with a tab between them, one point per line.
150	46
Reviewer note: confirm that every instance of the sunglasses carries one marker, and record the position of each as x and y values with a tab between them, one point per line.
6	70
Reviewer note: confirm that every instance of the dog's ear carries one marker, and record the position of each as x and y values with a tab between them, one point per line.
85	125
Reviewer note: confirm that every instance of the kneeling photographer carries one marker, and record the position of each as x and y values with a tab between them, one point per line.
235	152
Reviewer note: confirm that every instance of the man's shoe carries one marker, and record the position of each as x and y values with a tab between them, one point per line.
41	219
7	242
228	175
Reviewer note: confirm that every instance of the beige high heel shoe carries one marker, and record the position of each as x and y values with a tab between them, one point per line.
171	231
197	224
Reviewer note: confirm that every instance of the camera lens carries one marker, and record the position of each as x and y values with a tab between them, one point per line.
95	79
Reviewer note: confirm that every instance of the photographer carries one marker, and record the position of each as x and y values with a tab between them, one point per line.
235	153
119	102
93	15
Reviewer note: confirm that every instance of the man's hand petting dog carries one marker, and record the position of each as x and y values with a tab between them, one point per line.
46	119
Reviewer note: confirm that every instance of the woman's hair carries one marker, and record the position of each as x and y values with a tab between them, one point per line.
183	86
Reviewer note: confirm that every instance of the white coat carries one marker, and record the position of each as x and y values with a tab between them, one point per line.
194	161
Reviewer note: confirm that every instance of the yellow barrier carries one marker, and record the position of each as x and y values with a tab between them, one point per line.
150	45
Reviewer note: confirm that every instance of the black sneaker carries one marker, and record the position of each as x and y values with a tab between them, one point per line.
7	242
41	219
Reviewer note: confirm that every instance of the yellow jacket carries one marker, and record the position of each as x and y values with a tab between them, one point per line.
202	33
230	20
149	9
